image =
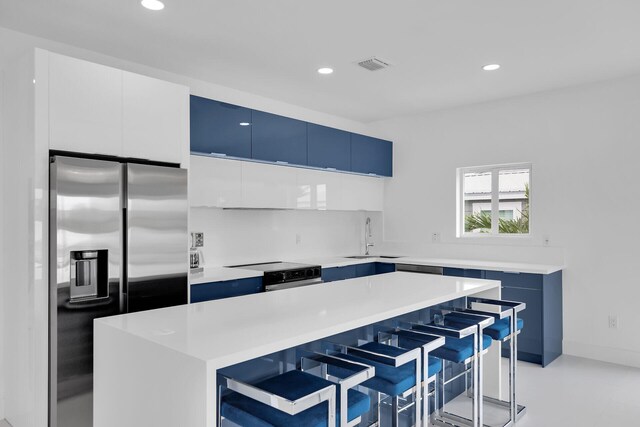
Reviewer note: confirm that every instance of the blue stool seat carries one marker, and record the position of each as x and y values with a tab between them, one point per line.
498	331
389	380
292	385
435	364
458	350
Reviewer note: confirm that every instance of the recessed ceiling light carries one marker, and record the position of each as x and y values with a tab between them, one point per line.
325	70
244	123
152	4
491	67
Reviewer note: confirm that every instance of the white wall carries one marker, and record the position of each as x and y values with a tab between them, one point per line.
240	236
2	274
584	146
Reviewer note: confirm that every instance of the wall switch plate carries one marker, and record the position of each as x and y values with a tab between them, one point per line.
546	240
197	240
435	237
298	239
613	321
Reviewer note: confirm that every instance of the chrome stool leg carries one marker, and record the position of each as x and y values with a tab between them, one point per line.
501	310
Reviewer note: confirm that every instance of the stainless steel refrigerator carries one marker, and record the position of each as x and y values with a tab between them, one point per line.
118	244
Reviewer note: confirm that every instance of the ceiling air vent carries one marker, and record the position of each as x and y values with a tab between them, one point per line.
373	64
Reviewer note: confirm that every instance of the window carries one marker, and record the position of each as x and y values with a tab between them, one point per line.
494	200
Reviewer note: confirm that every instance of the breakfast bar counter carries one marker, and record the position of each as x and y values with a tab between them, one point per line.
159	367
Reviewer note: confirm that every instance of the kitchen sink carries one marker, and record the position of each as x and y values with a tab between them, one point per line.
371	256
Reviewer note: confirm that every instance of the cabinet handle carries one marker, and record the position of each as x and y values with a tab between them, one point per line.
219	154
517	287
332	169
511	272
280	162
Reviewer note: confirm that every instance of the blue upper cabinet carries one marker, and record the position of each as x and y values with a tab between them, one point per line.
278	139
220	128
371	155
328	147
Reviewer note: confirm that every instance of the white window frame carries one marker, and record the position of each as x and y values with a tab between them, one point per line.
495	202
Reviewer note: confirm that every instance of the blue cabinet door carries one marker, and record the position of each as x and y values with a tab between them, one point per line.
371	155
328	147
278	139
368	269
385	267
220	128
226	289
530	345
338	273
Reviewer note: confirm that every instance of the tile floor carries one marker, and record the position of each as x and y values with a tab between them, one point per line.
571	392
576	392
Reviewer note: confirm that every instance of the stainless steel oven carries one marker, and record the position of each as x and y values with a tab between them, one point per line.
286	275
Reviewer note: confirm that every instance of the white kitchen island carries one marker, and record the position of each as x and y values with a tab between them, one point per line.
158	368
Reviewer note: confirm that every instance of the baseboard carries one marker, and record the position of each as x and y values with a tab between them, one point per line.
604	354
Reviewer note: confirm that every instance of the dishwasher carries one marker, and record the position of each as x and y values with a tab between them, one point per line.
423	269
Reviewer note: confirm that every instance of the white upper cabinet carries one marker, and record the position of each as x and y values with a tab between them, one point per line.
362	193
85	106
318	190
224	183
155	117
215	182
268	186
96	109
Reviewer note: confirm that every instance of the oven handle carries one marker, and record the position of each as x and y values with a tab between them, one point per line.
289	285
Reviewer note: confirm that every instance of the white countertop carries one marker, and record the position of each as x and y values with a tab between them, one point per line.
520	267
220	274
329	262
228	331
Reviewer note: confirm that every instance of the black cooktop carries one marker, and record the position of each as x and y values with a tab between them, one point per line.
274	266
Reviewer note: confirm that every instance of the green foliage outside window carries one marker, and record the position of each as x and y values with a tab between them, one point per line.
481	221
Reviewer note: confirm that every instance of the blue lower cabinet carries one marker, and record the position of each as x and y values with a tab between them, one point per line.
368	269
227	289
541	339
464	272
358	270
384	267
338	273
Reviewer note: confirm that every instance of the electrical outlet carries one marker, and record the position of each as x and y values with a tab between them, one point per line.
435	237
546	240
298	239
613	321
197	240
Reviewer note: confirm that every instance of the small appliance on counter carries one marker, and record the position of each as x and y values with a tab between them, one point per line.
197	241
284	275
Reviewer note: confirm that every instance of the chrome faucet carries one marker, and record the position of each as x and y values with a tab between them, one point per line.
367	235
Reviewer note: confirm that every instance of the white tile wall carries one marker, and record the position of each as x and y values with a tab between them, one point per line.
237	236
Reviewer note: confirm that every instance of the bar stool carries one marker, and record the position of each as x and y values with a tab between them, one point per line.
431	366
506	318
396	371
465	345
346	375
296	397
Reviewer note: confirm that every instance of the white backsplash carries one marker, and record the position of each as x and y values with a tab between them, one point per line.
240	236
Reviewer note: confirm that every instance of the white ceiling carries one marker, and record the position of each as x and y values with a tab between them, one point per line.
437	47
